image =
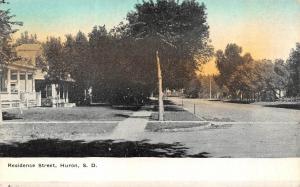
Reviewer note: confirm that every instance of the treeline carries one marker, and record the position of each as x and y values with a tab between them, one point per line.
112	69
241	77
119	66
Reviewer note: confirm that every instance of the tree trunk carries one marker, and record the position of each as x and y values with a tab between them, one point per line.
160	90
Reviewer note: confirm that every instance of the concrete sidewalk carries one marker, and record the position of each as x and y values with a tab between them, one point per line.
132	127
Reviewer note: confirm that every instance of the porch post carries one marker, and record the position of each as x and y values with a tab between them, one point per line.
67	95
33	82
26	81
18	82
63	92
54	95
26	88
8	81
8	84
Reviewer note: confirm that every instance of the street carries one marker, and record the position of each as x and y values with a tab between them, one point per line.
221	111
252	131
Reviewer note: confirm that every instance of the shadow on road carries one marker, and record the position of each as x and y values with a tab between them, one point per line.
103	148
288	106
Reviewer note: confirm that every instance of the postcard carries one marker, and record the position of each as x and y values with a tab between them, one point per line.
149	93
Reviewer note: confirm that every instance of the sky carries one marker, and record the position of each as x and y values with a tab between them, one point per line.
268	29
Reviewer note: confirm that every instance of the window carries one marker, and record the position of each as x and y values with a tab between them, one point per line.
13	75
3	81
29	76
49	90
22	76
13	88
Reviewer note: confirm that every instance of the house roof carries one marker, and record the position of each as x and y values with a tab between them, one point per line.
29	47
19	65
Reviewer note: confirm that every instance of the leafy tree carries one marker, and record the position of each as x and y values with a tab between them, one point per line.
115	63
26	39
242	81
6	29
176	34
243	77
282	75
179	32
273	77
53	54
264	78
193	88
227	63
100	49
294	69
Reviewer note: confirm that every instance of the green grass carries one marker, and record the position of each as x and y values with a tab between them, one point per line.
174	126
74	114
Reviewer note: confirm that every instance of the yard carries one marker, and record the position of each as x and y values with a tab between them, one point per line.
88	123
103	113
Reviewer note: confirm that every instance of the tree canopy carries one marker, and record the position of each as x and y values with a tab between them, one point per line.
25	38
179	31
243	77
119	65
6	29
294	69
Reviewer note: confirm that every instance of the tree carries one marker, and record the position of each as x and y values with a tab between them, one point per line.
293	63
252	79
53	54
244	78
100	49
209	88
6	30
227	63
282	75
193	88
26	39
175	33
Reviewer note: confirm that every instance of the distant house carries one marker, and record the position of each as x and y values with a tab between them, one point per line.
24	84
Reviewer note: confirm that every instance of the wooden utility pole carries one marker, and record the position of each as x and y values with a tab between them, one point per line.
210	87
160	90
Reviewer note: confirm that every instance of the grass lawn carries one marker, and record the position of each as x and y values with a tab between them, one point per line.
73	114
176	126
72	131
31	126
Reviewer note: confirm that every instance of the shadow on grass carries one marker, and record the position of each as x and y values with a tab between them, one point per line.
155	102
170	108
122	115
238	102
126	107
103	148
9	116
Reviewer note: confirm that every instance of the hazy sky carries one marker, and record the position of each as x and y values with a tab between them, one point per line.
265	28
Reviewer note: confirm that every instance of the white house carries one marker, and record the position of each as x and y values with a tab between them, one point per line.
17	84
23	84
